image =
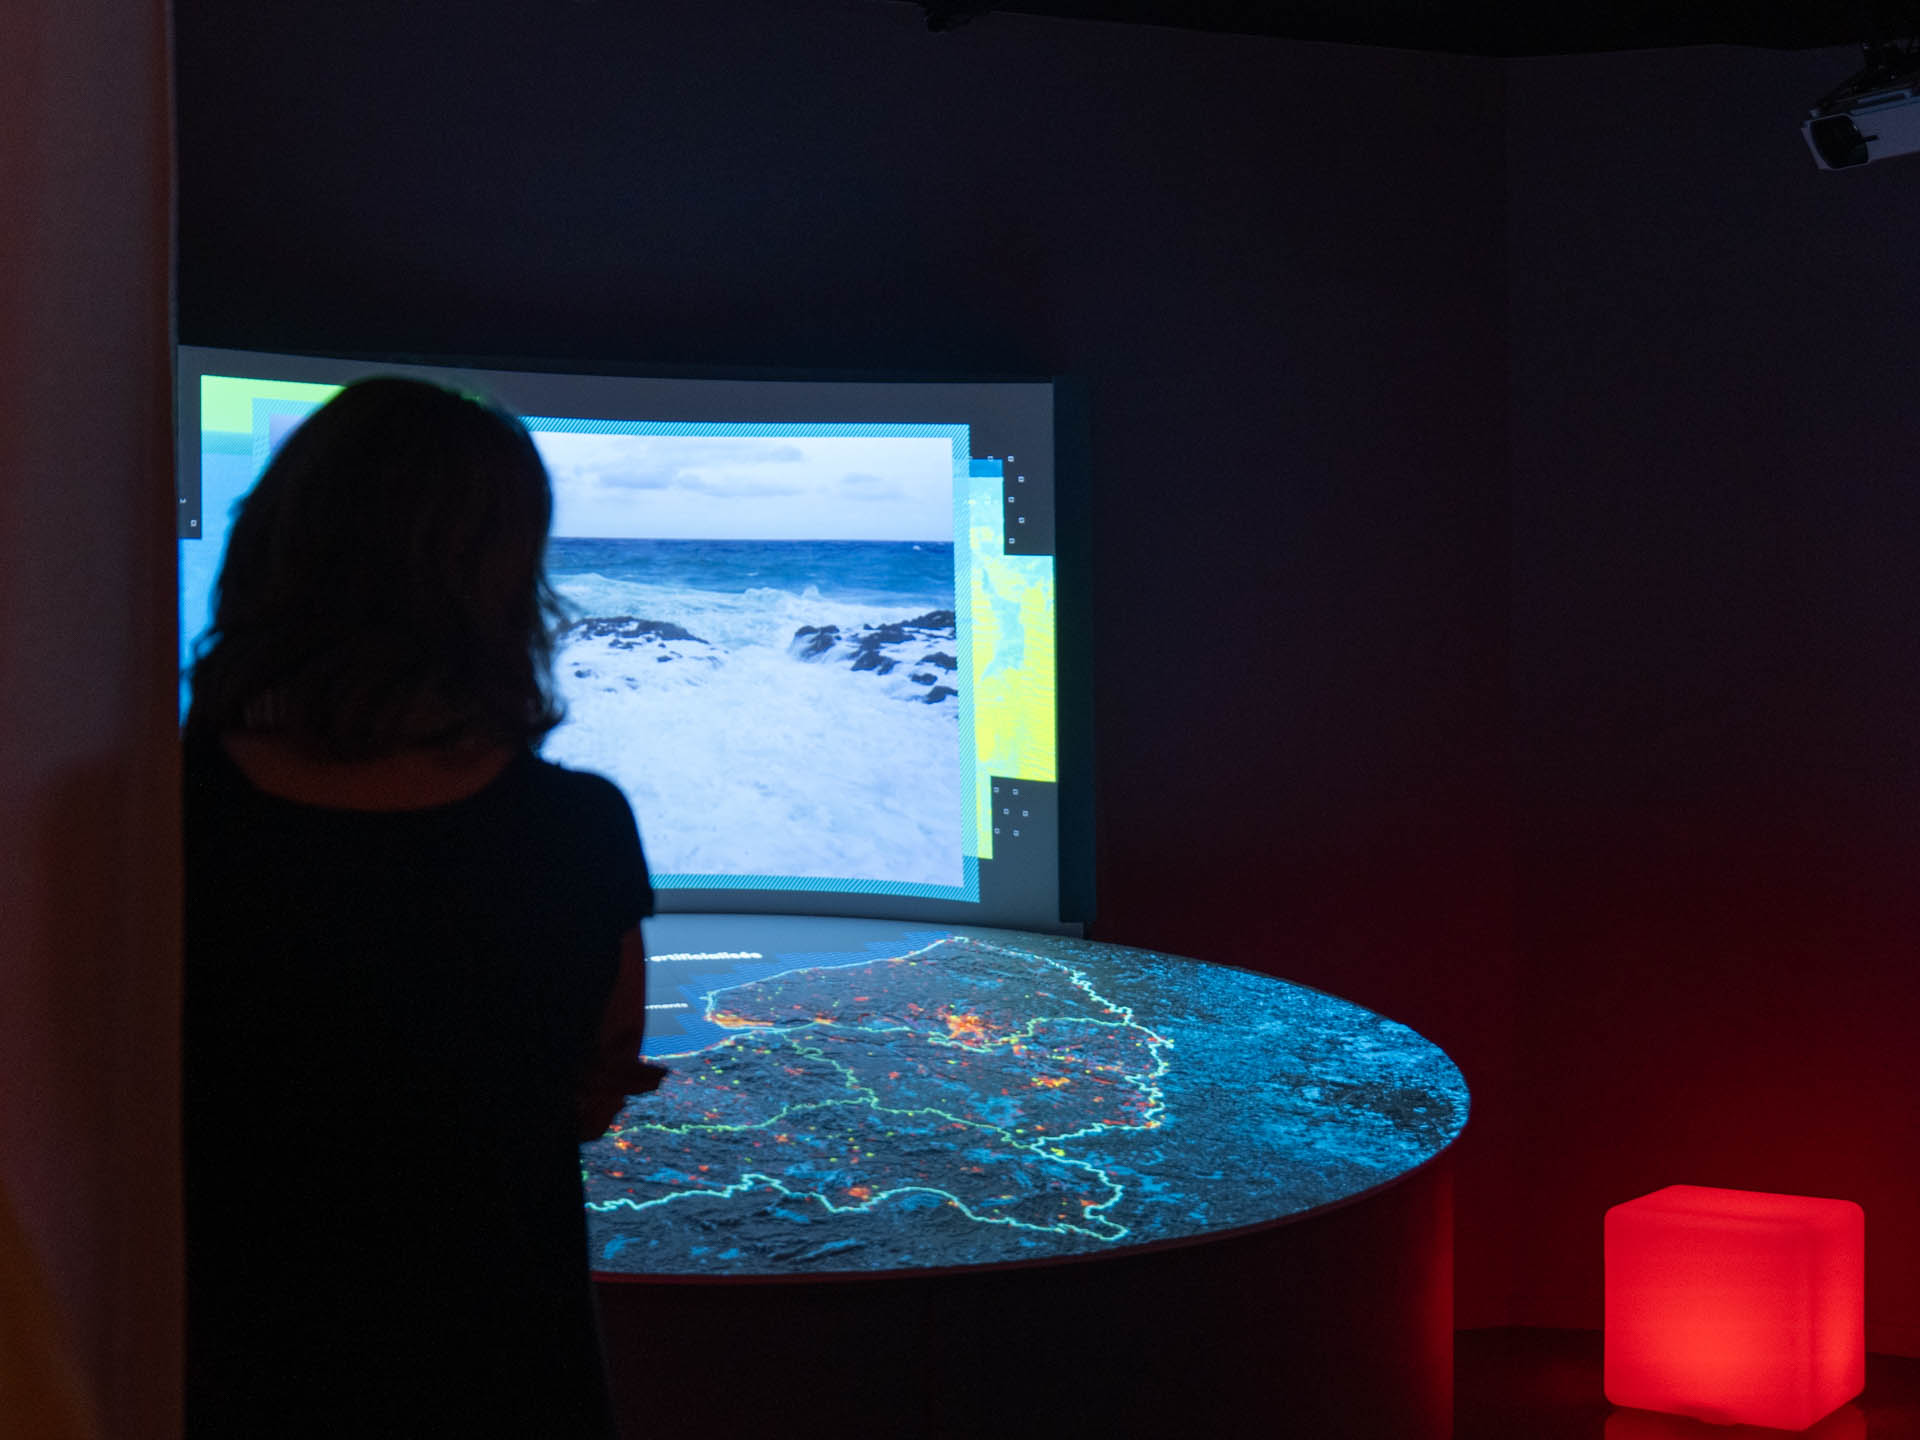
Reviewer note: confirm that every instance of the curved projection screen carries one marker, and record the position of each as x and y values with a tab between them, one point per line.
811	623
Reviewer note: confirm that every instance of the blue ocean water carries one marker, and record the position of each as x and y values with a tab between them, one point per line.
744	755
884	573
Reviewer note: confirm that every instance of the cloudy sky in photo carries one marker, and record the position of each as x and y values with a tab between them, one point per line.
714	487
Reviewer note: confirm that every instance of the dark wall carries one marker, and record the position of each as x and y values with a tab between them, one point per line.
1716	657
90	1263
1280	269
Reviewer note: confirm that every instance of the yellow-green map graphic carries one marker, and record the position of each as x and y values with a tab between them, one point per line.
1013	655
226	403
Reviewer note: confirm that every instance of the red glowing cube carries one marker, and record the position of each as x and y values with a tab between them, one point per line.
1735	1306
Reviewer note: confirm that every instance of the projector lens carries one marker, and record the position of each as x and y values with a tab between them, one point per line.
1838	141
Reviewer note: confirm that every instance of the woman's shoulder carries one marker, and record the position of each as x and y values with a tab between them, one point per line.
588	827
506	798
417	778
585	790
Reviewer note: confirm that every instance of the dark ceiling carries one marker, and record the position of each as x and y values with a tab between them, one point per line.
1492	27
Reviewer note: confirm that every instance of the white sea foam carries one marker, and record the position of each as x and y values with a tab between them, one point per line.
733	621
741	759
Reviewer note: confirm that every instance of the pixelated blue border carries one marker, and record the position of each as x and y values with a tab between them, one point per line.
967	889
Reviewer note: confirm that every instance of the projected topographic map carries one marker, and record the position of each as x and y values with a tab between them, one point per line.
969	1100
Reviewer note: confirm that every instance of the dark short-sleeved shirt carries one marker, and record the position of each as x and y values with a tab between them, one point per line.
386	1019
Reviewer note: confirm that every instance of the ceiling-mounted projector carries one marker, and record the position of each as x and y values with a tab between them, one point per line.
1873	116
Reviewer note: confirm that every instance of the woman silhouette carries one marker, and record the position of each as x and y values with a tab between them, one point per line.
414	978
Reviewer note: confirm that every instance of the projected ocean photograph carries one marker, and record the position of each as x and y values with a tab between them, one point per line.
762	651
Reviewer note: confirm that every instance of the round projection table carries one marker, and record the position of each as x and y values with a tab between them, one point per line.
908	1178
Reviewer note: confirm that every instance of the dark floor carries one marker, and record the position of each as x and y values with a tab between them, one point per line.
1520	1384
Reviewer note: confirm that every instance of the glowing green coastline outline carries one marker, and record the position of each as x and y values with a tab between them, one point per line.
1046	1149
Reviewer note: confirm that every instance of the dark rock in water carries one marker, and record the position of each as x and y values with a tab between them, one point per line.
819	640
939	693
882	649
625	631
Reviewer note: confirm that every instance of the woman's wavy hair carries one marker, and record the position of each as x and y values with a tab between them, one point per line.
385	582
